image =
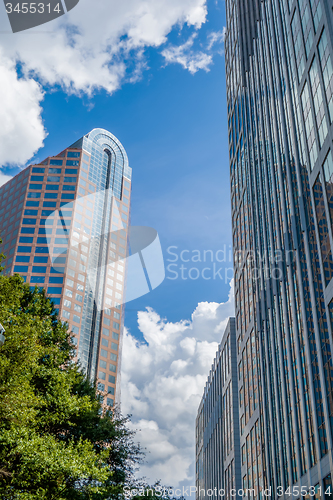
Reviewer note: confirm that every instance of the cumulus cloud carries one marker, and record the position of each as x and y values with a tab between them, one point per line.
193	59
162	385
95	46
4	178
22	130
186	57
87	48
216	37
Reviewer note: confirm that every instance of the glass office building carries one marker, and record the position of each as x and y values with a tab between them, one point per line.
217	426
279	70
64	226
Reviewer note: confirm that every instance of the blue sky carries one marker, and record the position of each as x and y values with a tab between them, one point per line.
173	125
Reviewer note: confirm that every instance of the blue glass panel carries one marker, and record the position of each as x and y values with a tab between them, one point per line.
29	221
20	269
56	300
24	249
57	270
37	279
45	230
42	250
60	250
46	222
39	269
55	290
41	260
23	258
56	280
38	170
73	154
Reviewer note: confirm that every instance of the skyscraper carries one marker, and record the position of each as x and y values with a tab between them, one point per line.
217	426
64	226
280	111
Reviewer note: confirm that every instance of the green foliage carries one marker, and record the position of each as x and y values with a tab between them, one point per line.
56	440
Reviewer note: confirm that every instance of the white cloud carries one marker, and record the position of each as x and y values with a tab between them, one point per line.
4	178
163	382
216	37
22	130
191	59
186	57
98	45
86	49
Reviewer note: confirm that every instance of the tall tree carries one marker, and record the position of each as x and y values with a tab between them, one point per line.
56	439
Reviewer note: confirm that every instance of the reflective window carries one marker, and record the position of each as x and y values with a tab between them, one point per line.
309	125
318	102
37	279
39	269
327	69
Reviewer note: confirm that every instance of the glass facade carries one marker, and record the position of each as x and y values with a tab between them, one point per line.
280	102
217	425
64	226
